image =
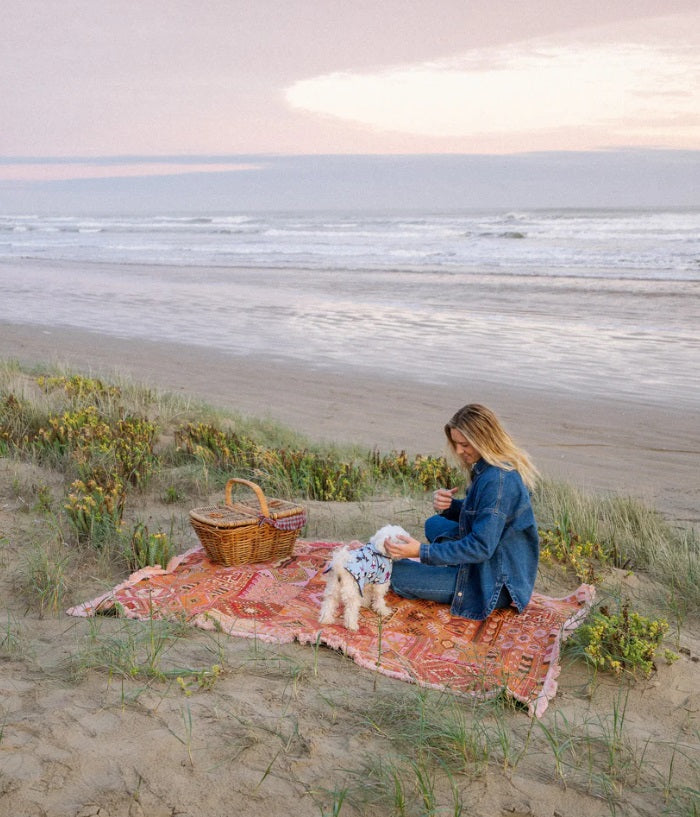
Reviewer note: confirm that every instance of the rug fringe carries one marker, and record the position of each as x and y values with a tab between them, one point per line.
585	593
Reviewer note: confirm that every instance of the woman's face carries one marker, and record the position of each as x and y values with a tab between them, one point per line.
463	448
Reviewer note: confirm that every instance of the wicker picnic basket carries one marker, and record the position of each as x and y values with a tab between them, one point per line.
237	533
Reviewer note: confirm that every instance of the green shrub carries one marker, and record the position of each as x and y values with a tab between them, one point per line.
224	450
123	449
623	642
79	387
94	511
324	476
426	472
147	549
18	423
565	547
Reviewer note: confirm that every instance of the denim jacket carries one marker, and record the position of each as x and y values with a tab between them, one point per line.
498	544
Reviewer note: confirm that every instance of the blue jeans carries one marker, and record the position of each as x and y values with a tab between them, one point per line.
414	580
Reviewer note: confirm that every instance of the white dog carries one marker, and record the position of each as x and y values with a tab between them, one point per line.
359	578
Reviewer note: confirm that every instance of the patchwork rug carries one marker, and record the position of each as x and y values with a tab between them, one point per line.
420	642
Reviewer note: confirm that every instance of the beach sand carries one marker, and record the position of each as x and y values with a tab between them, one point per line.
287	728
603	445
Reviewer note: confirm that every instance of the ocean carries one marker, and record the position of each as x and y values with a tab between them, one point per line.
596	302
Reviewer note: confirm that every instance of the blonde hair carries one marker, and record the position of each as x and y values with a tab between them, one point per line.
484	432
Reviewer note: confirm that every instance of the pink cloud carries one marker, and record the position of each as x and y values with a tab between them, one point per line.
62	171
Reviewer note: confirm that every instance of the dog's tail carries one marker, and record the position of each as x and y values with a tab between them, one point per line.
338	560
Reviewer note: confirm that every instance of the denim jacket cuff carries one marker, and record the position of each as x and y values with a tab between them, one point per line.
424	553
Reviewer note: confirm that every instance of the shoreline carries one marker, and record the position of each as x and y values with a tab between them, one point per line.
648	452
634	341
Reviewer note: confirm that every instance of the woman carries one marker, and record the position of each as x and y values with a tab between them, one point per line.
482	551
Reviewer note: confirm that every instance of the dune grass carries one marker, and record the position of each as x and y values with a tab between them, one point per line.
436	747
631	535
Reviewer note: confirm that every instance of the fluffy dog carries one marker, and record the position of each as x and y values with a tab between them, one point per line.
359	578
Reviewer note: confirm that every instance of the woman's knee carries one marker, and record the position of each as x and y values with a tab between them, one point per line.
413	580
401	576
437	527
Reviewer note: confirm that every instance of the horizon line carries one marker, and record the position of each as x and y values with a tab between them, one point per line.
186	158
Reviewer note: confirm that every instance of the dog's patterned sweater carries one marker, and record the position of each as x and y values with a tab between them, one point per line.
367	566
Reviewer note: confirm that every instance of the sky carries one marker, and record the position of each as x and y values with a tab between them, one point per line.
120	90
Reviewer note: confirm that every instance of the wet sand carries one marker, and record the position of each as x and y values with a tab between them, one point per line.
649	452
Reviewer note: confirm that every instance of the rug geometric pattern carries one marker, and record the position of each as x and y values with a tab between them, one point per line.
420	642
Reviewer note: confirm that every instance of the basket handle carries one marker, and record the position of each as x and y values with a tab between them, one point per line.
258	493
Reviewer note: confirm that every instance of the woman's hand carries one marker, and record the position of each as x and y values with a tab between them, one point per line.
442	498
405	548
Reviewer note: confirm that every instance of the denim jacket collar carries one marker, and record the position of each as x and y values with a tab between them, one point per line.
479	467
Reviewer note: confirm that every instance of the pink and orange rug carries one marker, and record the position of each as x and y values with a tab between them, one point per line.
420	642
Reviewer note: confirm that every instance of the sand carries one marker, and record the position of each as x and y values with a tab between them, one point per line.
286	729
646	451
